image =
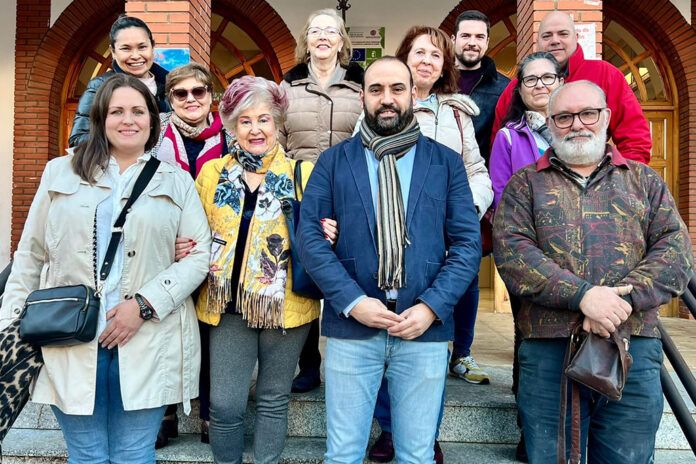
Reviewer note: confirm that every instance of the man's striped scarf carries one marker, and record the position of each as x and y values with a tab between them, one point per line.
392	236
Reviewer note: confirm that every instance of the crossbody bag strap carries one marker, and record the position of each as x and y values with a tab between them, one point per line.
117	230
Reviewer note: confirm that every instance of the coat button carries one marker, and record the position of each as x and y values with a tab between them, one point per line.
167	282
128	297
374	275
17	310
131	253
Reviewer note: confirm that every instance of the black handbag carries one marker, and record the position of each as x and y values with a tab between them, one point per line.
69	315
302	283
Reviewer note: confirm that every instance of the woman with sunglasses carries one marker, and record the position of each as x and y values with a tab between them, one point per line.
324	96
191	135
132	49
524	136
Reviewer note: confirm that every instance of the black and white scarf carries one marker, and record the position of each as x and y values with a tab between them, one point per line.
392	236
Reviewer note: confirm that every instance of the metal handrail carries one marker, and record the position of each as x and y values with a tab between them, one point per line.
676	402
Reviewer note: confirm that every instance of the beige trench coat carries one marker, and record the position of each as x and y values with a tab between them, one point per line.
161	363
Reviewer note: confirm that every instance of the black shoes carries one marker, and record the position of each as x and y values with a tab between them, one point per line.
169	428
205	433
383	449
306	381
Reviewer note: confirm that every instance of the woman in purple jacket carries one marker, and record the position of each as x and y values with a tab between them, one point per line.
524	136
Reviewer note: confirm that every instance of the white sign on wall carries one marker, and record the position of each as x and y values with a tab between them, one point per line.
587	39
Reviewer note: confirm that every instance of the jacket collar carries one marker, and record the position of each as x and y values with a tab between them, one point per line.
299	74
459	101
490	72
549	158
575	60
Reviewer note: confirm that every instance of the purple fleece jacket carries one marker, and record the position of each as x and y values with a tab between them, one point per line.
513	148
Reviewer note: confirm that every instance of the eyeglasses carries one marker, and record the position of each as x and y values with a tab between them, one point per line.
328	30
546	79
197	92
587	116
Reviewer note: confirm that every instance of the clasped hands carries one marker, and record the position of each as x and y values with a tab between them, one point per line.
604	309
408	325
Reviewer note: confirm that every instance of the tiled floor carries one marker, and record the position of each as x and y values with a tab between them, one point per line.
493	340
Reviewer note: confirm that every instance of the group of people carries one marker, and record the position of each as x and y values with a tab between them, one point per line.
395	166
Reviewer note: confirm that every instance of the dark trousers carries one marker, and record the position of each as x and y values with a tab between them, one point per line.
310	358
465	312
612	432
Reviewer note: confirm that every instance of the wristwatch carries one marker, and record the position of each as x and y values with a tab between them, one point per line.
146	312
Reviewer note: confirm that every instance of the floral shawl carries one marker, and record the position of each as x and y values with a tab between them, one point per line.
261	288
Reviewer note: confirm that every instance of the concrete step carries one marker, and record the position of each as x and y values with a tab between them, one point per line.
483	414
24	446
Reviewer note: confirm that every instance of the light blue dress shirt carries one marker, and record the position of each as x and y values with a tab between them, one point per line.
404	167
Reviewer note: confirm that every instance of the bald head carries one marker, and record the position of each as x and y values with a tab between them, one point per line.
583	94
557	36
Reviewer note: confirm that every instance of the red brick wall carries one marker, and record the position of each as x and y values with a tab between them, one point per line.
177	24
33	17
43	57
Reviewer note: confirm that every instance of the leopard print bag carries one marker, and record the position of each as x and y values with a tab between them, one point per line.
20	363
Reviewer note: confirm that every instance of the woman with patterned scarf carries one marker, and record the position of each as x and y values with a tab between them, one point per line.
191	135
248	296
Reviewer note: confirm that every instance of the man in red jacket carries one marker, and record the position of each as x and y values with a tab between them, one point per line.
628	127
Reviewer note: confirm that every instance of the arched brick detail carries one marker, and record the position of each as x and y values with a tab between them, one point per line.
676	40
266	20
39	84
496	10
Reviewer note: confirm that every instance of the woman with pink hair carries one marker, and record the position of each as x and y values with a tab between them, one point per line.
248	298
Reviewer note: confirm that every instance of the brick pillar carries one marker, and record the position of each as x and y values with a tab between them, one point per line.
531	12
30	146
177	24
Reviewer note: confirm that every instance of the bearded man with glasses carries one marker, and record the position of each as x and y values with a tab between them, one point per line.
586	237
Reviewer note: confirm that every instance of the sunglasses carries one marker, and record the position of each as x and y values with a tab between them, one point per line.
197	92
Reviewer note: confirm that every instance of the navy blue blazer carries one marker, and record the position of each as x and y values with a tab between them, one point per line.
442	225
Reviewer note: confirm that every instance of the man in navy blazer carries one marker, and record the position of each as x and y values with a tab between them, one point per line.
408	248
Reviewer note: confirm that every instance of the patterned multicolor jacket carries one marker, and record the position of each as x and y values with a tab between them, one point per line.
555	238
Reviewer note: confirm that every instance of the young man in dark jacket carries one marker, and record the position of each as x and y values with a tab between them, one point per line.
479	79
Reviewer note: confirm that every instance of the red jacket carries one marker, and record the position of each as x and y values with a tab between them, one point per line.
628	127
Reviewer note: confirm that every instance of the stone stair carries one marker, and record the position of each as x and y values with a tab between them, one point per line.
478	427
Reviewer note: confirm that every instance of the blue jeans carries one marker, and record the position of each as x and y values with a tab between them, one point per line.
110	435
464	320
612	432
354	370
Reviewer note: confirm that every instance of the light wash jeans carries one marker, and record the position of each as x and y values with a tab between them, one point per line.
110	435
353	374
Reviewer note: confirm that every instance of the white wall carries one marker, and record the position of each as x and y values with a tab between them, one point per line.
8	26
396	16
684	7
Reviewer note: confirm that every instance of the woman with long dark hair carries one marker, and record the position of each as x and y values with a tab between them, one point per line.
109	394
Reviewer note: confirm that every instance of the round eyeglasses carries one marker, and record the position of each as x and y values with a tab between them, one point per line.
587	116
328	30
546	79
197	92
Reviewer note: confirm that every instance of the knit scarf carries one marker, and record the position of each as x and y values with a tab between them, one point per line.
262	283
172	148
537	123
392	236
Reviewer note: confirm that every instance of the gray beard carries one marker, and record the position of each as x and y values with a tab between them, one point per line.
580	153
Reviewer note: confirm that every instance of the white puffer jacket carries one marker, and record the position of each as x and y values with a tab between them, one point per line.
442	127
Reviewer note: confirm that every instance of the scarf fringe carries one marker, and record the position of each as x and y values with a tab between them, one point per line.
260	311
